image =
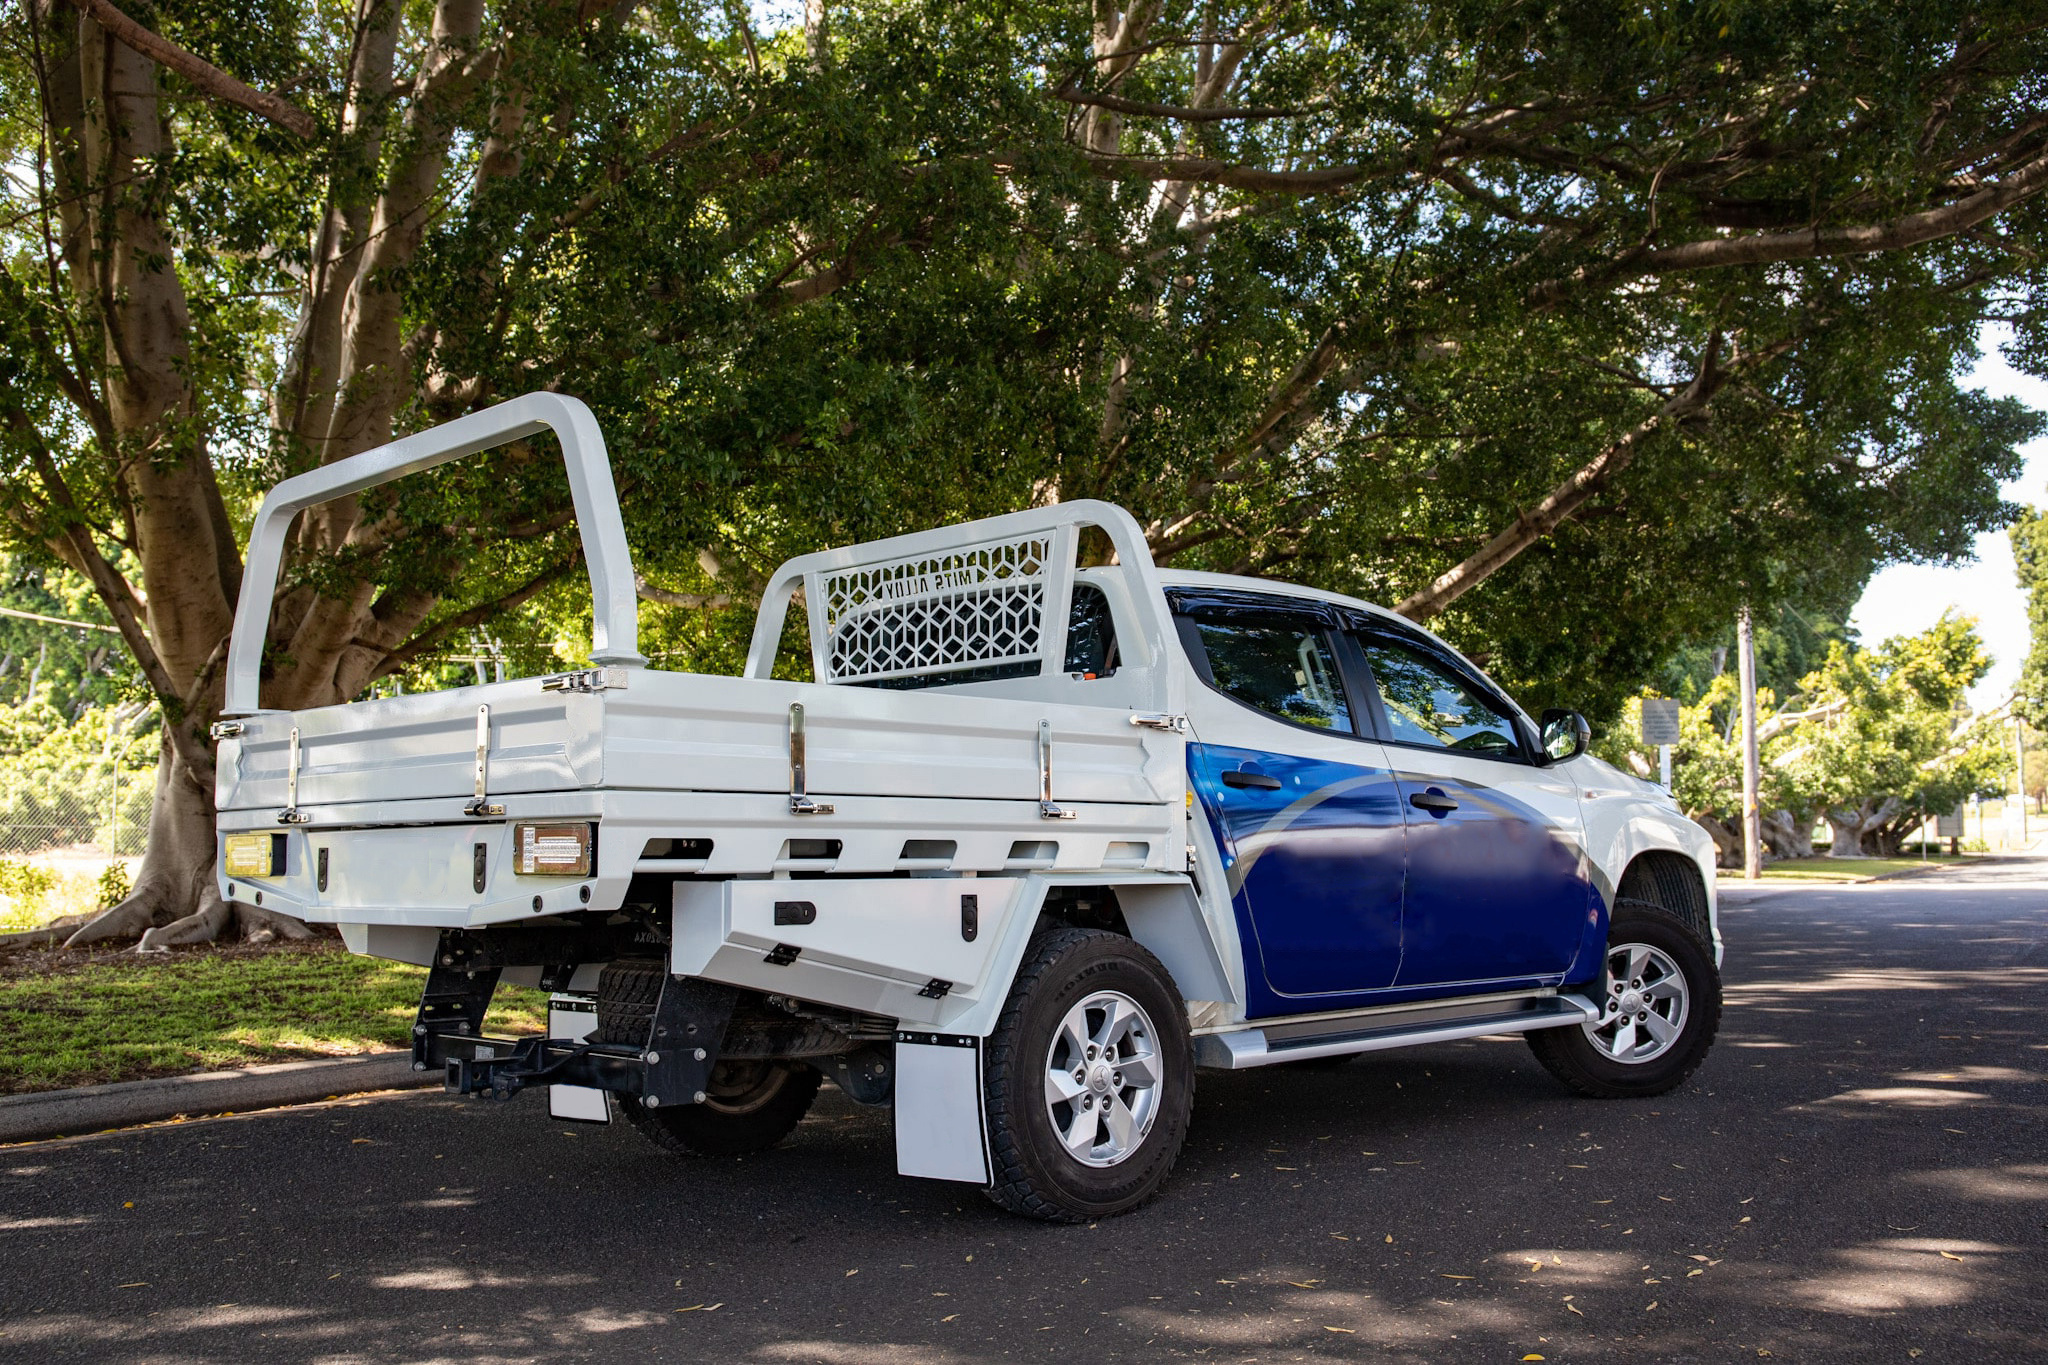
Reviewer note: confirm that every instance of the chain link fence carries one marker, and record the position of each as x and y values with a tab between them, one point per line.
94	806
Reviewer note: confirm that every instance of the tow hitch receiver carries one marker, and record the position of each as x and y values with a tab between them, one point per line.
670	1064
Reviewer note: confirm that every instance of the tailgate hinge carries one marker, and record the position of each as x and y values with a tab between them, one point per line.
585	680
291	814
1047	810
935	989
477	804
1172	722
800	802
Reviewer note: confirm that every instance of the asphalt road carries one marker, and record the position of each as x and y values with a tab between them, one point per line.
1857	1173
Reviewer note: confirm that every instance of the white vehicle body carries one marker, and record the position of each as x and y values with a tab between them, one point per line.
885	840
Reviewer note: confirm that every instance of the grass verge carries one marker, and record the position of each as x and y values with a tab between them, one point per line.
1845	869
74	1019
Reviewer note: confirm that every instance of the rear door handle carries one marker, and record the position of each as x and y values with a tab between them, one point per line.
1434	802
1239	777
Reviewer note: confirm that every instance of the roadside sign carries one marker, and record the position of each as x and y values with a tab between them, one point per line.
1660	720
1949	824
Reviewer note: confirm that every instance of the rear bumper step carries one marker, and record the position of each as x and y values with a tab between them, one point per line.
1251	1047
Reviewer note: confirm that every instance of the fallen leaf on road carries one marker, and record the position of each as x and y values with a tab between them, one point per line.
1458	1277
1653	1304
1573	1308
1304	1284
1347	1331
1950	1256
1695	1271
851	1273
949	1317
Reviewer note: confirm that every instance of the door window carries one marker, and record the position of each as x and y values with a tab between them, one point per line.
1426	704
1282	668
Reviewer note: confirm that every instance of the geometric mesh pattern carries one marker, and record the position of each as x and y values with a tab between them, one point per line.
937	612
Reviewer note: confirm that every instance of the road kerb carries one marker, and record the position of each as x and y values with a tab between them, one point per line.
94	1108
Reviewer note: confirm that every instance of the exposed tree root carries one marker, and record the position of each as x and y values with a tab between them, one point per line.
129	919
144	915
44	936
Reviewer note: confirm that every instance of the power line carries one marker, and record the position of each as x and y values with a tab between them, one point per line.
58	620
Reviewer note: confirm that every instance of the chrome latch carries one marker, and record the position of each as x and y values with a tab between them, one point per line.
1046	809
1161	720
586	680
291	814
477	804
800	802
225	729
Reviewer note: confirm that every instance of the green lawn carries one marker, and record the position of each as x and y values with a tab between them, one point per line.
72	1019
1844	869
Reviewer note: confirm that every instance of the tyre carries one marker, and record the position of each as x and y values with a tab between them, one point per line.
1090	1078
1660	1009
749	1106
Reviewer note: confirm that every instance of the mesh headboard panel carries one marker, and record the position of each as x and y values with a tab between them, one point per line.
960	608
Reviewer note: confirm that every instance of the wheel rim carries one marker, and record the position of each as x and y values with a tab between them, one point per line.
1646	1006
1102	1079
741	1087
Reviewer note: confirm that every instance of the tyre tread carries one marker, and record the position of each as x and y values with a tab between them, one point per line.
1012	1185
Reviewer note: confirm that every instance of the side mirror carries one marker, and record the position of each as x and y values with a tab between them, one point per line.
1565	735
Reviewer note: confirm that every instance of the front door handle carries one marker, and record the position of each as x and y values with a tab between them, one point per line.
1239	777
1436	803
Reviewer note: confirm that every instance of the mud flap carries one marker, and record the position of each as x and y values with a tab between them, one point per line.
941	1126
573	1017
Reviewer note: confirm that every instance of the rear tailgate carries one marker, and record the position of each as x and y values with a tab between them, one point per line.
692	732
409	747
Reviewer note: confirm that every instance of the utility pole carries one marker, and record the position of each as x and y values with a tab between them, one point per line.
2019	755
1752	819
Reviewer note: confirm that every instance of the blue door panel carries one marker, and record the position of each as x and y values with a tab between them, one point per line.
1315	866
1493	892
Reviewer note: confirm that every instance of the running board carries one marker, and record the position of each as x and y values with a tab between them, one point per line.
1255	1047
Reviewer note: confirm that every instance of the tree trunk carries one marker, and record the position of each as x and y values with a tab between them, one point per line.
1852	827
176	899
1727	840
1787	835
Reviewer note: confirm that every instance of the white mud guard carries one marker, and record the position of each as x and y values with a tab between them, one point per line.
941	1127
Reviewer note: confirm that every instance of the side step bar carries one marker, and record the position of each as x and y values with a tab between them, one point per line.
1378	1031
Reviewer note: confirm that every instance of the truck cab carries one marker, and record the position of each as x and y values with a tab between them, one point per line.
1044	831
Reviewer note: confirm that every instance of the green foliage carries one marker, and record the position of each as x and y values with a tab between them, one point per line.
58	778
1873	740
2030	555
21	880
814	304
113	885
73	668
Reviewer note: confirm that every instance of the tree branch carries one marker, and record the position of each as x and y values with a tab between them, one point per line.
1569	496
1183	112
430	640
1768	248
210	79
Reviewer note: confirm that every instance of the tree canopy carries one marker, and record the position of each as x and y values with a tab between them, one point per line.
1564	328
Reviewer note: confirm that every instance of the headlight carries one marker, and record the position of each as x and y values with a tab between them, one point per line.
553	850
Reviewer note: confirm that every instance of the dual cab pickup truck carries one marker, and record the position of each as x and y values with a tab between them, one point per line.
1036	843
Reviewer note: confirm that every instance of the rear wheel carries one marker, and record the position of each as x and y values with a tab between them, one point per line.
1660	1007
748	1106
1090	1078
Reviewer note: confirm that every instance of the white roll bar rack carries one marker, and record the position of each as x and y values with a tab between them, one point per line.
615	629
